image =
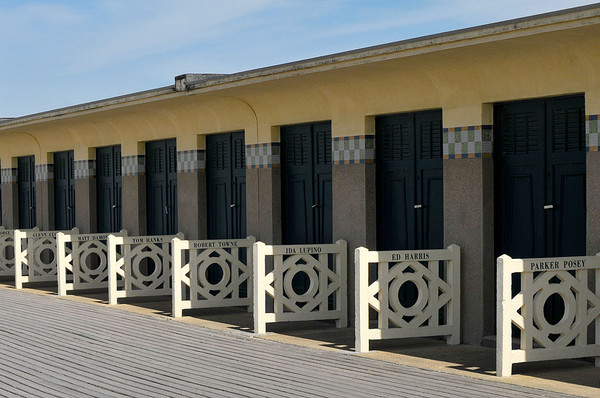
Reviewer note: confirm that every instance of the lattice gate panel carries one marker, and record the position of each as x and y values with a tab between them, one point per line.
195	261
7	251
521	310
384	311
324	267
83	261
36	259
143	270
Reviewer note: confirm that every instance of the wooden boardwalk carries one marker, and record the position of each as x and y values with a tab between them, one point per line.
58	348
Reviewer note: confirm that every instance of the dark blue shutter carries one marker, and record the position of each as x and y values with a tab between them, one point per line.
26	182
64	190
109	189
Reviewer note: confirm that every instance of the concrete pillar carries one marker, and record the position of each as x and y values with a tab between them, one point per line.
263	192
469	213
354	198
85	194
10	197
191	193
134	192
592	110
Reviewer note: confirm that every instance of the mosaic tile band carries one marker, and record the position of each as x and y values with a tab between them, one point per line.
133	165
9	176
353	149
85	169
44	172
468	142
191	161
592	133
260	156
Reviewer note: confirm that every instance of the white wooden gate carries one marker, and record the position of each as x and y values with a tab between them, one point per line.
7	251
192	263
434	274
325	266
523	311
36	256
143	269
82	261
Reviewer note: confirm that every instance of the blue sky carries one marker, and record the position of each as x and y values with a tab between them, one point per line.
56	53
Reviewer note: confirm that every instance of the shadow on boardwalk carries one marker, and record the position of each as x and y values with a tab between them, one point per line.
106	352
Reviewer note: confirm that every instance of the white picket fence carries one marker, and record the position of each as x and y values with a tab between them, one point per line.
328	286
7	251
192	263
82	261
143	269
539	340
36	260
438	295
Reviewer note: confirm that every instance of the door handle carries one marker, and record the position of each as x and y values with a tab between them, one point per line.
232	205
315	206
114	206
166	209
418	206
548	207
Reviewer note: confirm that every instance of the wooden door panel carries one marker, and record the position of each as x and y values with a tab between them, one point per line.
568	216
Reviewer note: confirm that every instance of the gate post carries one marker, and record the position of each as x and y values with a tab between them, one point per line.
503	325
361	338
258	274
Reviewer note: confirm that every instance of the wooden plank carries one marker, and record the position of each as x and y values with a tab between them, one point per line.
157	355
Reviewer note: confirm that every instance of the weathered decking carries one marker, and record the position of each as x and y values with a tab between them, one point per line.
57	348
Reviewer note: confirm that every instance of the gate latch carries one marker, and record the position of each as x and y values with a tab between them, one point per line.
314	206
114	206
232	205
548	207
418	206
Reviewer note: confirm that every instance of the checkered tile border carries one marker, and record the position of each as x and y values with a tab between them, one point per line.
191	161
592	133
468	142
9	176
133	165
44	172
353	149
85	169
261	156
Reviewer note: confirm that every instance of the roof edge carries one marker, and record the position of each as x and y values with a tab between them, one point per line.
580	14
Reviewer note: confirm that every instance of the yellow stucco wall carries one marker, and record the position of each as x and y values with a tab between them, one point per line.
463	81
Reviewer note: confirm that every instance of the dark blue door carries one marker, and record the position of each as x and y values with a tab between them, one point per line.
26	178
161	187
540	163
64	190
307	215
541	182
109	189
409	181
226	185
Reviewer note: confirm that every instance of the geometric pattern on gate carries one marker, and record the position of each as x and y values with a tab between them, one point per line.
7	252
322	283
433	294
521	316
144	269
581	308
37	260
384	310
233	274
86	266
211	273
278	299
